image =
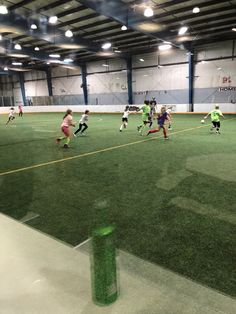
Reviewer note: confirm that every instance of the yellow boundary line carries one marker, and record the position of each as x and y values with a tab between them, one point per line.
95	152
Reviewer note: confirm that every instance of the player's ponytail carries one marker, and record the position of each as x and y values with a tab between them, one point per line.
68	111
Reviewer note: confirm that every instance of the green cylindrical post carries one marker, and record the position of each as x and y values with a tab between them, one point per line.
104	279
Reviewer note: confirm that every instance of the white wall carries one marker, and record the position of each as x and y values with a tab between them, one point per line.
179	108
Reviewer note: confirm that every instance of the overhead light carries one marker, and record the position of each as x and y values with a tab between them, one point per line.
0	37
183	30
3	9
68	60
196	10
16	63
164	47
105	65
124	28
33	26
142	60
106	45
234	29
5	69
17	47
118	51
148	12
160	66
48	63
219	69
52	19
36	48
52	55
55	61
68	33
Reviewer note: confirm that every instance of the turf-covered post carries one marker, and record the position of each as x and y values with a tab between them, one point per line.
104	279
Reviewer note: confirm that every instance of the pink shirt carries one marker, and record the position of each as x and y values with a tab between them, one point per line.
67	121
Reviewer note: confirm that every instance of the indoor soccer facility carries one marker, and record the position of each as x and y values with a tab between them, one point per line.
118	157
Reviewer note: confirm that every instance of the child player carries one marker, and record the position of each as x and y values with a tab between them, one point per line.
145	116
161	118
215	118
125	118
83	123
153	104
20	110
169	110
10	116
65	127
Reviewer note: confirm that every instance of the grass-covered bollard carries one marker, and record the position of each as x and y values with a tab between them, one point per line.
104	279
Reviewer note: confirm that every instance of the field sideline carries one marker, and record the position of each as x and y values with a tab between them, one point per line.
173	202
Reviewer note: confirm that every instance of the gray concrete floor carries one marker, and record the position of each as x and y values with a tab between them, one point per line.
42	275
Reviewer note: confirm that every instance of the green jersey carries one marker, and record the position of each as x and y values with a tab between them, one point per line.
215	115
146	111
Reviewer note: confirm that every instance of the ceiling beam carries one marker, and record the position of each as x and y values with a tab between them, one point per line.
20	4
54	5
120	12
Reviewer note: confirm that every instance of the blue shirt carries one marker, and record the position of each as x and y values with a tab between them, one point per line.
161	118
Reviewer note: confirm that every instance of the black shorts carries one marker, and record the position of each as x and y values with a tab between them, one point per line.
125	120
216	124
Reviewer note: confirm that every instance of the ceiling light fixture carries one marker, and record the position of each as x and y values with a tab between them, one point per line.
33	26
164	47
124	28
148	12
52	55
105	65
68	60
196	10
17	47
0	37
142	60
16	63
68	33
3	9
36	48
234	29
106	45
182	30
5	69
52	19
118	51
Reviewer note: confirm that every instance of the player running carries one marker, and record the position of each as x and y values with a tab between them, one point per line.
145	116
11	115
83	123
65	128
125	118
215	118
161	118
20	111
153	104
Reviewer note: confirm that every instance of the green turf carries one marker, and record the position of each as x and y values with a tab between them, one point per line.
173	202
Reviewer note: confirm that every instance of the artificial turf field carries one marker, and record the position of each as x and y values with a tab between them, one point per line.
173	202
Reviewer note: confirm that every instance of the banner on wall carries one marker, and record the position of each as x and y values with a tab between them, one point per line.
227	89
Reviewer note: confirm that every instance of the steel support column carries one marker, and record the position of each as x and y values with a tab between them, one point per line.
22	87
191	80
84	82
49	81
129	80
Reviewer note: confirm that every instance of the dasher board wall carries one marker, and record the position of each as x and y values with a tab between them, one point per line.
162	75
180	108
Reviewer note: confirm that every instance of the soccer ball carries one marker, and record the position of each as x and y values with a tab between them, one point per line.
202	121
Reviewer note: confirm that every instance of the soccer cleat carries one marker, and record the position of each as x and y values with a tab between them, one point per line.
166	138
120	130
74	135
66	146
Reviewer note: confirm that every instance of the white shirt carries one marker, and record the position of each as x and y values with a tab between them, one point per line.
125	114
11	114
83	119
168	111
